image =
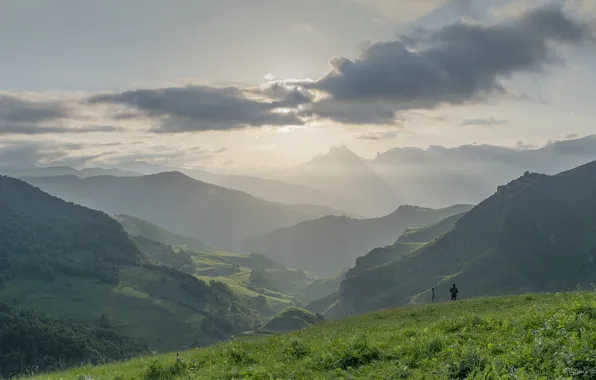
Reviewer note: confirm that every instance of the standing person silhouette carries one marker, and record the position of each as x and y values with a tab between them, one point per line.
434	298
453	292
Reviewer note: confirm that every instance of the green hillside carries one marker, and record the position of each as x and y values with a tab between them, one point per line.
69	261
293	318
330	244
249	276
430	232
140	227
381	256
510	243
323	287
550	336
411	240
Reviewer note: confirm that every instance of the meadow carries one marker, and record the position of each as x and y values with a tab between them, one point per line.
529	336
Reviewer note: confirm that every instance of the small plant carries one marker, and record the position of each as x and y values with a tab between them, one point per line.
357	354
470	363
159	372
240	356
588	311
297	349
433	347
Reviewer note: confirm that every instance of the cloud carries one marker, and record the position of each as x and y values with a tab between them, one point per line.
460	63
29	117
401	10
352	112
490	121
15	110
204	108
377	136
23	154
30	129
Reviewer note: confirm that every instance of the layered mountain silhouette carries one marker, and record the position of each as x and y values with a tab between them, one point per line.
342	183
54	171
278	191
330	244
534	234
218	216
439	176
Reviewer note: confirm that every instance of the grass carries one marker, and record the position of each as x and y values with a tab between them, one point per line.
519	337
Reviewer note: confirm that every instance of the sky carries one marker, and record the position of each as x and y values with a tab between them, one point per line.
231	84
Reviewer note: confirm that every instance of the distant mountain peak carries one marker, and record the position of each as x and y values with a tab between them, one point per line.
339	155
341	150
169	174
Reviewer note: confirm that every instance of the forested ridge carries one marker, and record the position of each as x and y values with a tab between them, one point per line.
41	235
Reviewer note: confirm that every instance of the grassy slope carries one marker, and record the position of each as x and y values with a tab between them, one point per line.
522	337
430	232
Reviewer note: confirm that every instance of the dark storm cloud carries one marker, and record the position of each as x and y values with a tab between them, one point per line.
201	108
490	121
454	65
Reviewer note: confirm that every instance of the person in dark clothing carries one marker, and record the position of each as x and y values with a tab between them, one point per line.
453	292
434	298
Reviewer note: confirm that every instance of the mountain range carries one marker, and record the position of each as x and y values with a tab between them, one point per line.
330	244
346	184
218	216
439	176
